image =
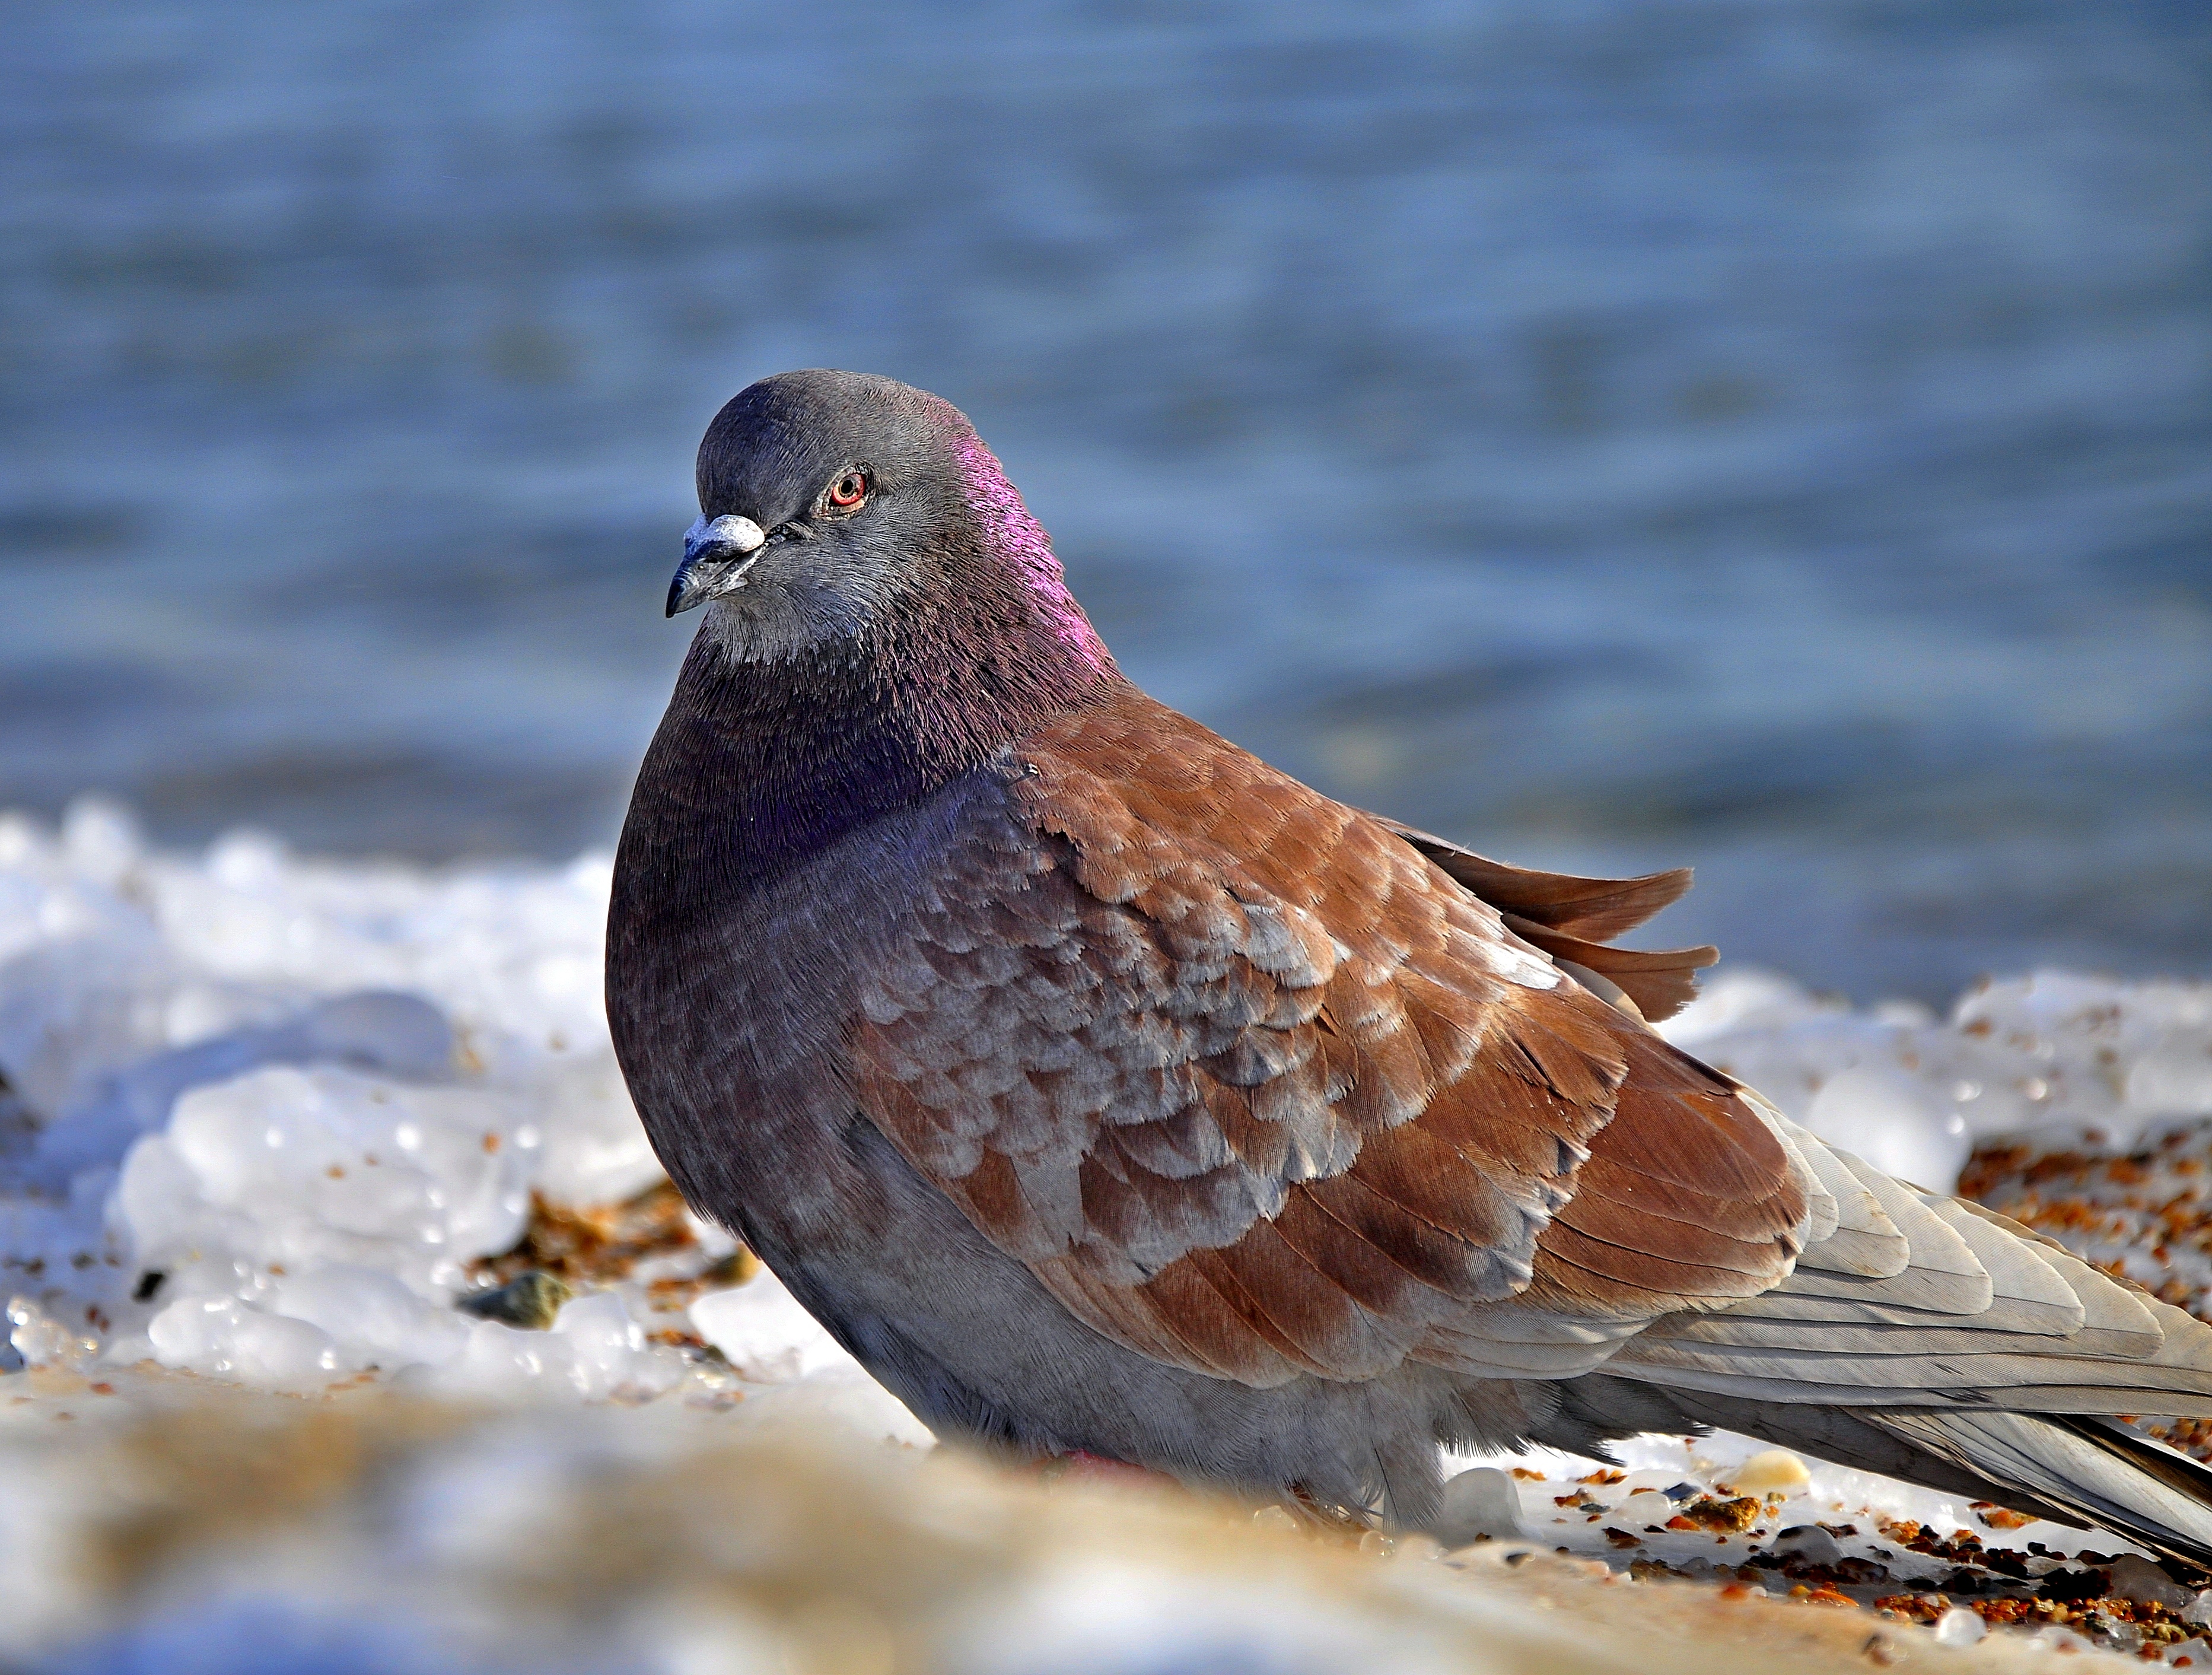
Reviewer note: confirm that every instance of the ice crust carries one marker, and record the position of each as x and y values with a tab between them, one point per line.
1913	1093
262	1112
306	1094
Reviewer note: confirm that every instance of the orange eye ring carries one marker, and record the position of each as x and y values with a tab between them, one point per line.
848	490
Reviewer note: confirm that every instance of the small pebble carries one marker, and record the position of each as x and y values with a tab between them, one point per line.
1777	1471
530	1300
1812	1543
1482	1501
1960	1627
1646	1507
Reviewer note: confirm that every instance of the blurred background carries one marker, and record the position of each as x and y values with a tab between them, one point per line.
1773	435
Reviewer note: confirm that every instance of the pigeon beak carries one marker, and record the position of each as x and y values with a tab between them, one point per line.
716	556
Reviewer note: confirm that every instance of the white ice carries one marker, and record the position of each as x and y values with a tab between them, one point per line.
1911	1093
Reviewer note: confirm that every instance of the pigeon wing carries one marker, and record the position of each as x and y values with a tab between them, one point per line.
1256	1088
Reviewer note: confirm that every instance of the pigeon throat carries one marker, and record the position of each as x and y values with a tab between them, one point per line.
800	752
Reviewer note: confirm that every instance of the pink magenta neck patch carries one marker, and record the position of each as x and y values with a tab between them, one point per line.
1011	531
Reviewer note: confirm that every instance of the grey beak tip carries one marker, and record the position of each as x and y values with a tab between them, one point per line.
726	536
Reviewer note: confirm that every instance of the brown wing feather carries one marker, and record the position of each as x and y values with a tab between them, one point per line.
1574	919
1599	909
1687	1200
1660	981
1254	1087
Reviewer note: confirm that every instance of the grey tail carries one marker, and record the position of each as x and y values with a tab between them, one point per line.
2078	1469
2088	1470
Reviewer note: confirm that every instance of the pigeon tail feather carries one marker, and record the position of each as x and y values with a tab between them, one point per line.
2093	1470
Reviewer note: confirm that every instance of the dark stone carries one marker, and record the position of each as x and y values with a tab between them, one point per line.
2072	1587
530	1300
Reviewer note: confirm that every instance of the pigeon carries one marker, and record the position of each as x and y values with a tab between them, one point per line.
1108	1093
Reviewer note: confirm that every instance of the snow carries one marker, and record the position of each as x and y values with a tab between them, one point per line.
763	1332
1913	1093
266	1117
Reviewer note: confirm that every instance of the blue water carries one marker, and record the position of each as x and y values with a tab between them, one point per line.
1776	435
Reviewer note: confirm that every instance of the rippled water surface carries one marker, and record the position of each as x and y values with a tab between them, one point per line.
1772	435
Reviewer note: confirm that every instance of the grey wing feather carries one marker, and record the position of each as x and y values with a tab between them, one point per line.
1864	1239
1506	1342
1980	1317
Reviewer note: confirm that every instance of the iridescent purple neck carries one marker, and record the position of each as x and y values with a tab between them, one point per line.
1010	531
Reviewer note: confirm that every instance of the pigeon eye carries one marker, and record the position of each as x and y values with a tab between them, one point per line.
849	491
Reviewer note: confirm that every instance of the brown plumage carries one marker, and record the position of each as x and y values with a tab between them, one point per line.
1101	1087
1254	1086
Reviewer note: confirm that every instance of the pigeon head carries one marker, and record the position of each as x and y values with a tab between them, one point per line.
838	510
881	616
